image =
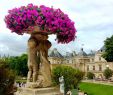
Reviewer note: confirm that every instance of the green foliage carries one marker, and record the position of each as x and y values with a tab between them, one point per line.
108	73
6	79
19	64
108	55
71	76
90	75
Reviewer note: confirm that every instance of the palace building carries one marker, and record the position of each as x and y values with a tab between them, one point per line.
92	62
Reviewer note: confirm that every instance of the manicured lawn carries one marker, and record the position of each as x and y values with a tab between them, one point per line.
21	80
96	89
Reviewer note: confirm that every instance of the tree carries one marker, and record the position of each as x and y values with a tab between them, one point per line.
90	75
19	64
23	60
108	73
7	78
108	54
72	77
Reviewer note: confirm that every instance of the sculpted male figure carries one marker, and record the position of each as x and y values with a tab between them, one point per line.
33	59
39	64
45	70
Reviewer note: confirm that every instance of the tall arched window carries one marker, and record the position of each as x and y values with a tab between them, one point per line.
100	67
93	67
87	67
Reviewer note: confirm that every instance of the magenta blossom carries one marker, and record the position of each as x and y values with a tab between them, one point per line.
48	19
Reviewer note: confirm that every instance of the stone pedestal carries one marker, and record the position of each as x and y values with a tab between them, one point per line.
33	85
38	91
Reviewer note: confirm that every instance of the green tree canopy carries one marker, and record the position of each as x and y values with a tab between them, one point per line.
72	76
90	75
108	54
19	64
108	73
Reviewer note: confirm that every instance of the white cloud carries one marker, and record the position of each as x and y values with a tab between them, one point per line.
93	20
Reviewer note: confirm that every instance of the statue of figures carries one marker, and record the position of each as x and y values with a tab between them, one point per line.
61	80
33	59
38	63
45	70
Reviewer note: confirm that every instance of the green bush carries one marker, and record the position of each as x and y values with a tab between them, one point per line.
108	54
6	79
90	75
108	73
72	77
18	64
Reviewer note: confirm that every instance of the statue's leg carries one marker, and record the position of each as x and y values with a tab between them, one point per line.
35	73
29	73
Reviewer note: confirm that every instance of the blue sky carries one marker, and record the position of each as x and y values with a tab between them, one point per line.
93	21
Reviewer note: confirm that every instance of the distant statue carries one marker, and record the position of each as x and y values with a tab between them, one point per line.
61	80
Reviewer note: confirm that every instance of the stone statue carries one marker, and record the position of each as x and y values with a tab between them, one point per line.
33	60
61	80
38	64
45	65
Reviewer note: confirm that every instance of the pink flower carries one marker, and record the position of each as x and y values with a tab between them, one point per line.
48	19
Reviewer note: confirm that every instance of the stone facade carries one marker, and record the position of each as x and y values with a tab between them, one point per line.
92	62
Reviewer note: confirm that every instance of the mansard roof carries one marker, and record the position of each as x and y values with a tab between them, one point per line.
92	53
69	55
55	53
102	49
82	53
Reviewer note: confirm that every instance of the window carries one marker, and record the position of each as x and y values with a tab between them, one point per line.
72	61
67	61
93	67
87	67
74	65
100	68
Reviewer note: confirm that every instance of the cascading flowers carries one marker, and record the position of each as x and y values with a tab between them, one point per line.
48	19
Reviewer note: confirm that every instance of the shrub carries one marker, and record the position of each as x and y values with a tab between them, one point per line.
108	73
108	53
18	64
6	79
72	77
90	75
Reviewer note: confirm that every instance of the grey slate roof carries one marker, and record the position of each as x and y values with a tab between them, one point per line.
102	49
82	53
69	55
92	53
74	53
55	53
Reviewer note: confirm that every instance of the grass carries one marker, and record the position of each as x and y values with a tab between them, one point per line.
96	89
21	80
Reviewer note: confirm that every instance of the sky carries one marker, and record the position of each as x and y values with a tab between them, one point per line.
93	21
